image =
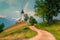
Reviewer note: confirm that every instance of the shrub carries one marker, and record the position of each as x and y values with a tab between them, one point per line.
1	27
32	20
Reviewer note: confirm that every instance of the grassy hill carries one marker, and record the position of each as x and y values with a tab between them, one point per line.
19	30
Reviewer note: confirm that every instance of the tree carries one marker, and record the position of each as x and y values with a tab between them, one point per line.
47	9
26	17
40	9
32	20
1	27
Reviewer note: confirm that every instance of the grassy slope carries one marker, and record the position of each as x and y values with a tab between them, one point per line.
54	29
17	31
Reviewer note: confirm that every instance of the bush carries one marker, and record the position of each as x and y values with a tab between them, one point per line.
32	20
1	27
26	17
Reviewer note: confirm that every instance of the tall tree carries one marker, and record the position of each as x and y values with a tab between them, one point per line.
47	9
39	8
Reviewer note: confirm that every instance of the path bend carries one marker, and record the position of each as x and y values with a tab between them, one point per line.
42	35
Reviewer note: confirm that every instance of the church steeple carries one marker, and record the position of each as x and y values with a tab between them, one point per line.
22	12
22	16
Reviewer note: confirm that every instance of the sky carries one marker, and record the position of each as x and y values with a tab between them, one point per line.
12	8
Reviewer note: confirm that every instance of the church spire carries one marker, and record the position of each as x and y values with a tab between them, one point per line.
22	12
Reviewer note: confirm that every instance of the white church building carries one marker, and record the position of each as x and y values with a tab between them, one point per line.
22	16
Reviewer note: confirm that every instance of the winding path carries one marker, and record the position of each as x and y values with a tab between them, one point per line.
42	35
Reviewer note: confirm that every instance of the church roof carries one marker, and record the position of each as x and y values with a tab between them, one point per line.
22	12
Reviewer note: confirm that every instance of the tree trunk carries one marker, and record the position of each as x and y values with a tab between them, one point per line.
43	19
50	19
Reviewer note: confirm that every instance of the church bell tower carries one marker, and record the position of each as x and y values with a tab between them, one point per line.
22	16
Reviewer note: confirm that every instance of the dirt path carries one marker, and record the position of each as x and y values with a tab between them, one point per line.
42	35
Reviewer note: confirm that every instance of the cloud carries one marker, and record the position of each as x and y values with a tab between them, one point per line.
17	11
31	13
16	19
26	6
2	16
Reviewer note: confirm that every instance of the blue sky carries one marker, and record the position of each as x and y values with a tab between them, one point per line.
12	8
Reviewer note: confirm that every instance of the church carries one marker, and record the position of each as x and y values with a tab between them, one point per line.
22	16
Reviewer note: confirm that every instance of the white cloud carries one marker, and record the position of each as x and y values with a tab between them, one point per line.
2	16
16	19
17	11
26	6
31	13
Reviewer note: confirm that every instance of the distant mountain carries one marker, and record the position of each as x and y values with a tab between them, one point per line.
7	22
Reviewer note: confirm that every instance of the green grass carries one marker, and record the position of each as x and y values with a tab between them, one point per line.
54	28
27	32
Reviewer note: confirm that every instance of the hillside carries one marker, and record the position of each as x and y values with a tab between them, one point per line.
19	30
16	26
23	31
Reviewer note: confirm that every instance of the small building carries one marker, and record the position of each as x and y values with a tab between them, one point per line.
22	16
